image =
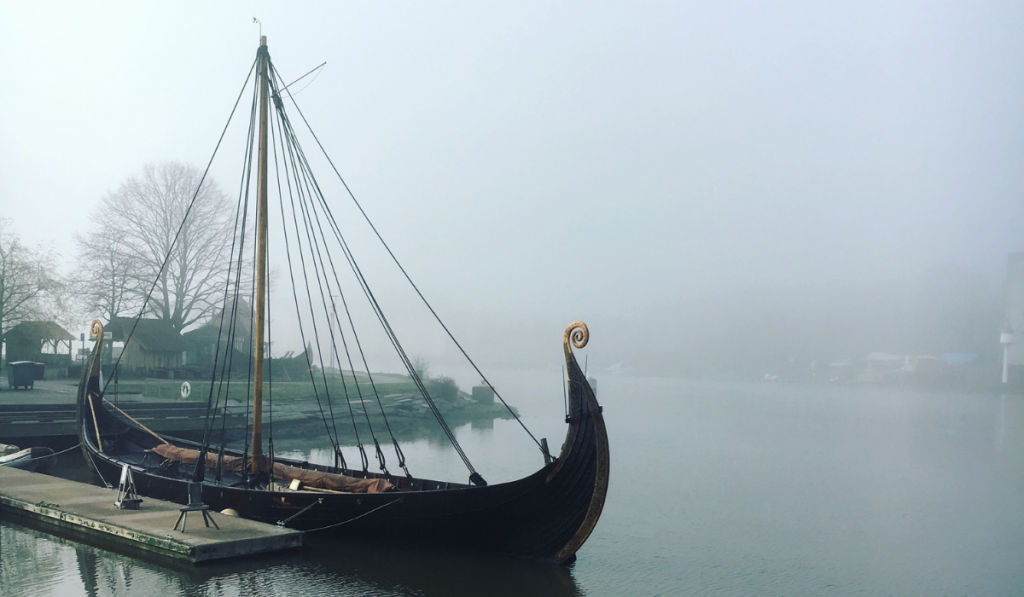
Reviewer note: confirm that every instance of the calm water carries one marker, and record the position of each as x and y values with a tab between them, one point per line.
717	489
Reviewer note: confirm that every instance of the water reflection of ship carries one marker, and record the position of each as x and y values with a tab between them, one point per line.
334	567
23	563
382	568
358	568
88	565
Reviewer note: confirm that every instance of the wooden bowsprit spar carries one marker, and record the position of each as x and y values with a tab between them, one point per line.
547	515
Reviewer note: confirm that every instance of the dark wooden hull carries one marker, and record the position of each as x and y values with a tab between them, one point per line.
547	515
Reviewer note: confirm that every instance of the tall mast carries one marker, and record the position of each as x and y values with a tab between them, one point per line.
261	258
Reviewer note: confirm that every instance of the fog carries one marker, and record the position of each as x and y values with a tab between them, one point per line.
715	188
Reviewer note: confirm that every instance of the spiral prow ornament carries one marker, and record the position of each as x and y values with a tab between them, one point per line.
576	334
96	330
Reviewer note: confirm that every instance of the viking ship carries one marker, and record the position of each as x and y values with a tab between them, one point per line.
547	515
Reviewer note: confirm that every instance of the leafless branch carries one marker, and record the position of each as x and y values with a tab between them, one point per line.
134	229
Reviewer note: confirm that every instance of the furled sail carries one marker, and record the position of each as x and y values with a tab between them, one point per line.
308	478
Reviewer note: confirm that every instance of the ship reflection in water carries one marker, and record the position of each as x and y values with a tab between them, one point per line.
34	563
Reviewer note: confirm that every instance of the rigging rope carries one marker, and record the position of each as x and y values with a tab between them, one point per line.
308	213
295	297
311	243
270	372
238	234
400	267
302	188
312	206
474	475
309	179
188	210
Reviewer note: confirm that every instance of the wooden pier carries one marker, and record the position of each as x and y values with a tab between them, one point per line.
48	424
45	416
87	512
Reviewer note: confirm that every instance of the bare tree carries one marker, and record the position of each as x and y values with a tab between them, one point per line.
421	366
59	301
105	274
26	276
138	223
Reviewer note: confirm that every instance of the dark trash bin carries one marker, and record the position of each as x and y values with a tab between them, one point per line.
39	370
21	374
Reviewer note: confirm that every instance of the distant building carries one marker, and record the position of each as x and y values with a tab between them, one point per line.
1015	316
201	343
42	342
156	349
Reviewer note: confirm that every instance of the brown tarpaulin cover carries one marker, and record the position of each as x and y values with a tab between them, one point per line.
308	478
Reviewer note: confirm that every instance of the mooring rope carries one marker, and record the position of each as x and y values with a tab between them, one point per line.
338	524
55	454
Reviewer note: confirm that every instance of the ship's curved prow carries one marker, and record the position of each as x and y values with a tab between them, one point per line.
586	439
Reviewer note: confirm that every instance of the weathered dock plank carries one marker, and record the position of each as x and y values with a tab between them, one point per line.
87	512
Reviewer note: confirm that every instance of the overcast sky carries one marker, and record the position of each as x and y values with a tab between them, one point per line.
570	159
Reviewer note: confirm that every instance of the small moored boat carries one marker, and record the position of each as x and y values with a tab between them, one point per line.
38	459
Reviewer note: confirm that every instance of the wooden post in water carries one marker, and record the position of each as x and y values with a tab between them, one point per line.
261	261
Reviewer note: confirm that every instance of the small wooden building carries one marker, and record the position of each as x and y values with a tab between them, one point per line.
201	343
42	342
155	348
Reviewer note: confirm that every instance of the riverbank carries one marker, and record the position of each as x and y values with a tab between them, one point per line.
45	415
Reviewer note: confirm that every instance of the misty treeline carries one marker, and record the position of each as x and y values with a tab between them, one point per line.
30	285
131	233
748	332
743	332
